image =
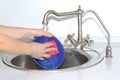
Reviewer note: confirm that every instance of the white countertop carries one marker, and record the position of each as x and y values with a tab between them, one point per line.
108	69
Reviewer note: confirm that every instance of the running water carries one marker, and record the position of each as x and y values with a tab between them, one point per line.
45	28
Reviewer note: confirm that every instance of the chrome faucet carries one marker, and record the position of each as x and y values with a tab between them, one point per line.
80	42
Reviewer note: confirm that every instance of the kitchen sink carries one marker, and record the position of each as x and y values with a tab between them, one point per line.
74	59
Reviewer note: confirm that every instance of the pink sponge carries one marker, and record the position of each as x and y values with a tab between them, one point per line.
54	46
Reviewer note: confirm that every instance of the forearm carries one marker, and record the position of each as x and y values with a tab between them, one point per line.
11	45
17	32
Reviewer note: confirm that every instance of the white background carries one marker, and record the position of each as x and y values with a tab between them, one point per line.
29	13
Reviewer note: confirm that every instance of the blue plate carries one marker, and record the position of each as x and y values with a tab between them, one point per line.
55	61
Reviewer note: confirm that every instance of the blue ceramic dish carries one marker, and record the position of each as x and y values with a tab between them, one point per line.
55	61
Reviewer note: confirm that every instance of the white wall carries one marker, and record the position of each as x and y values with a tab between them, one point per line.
29	13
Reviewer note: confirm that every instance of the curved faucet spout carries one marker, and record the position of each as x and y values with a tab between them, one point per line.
45	18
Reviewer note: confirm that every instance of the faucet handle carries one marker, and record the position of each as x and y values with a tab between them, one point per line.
87	38
69	36
71	39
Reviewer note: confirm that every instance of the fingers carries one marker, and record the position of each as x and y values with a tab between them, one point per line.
50	50
48	34
40	32
44	56
48	45
40	51
41	58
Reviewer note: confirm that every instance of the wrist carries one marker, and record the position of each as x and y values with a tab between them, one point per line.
28	49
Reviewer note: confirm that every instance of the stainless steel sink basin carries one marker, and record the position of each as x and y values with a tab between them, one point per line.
74	59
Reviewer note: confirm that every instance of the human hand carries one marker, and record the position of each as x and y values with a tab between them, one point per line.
40	51
38	32
44	33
